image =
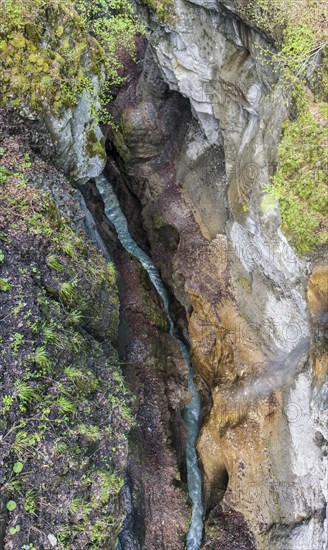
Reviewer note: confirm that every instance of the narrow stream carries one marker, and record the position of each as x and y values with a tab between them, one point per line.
191	413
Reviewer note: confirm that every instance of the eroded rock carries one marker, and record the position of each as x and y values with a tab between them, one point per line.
241	284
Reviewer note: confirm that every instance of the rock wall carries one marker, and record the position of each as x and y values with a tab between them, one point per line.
53	71
74	136
197	142
73	139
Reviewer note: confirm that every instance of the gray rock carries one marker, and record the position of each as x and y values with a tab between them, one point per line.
70	137
211	57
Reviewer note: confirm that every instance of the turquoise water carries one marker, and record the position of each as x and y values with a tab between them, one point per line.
191	413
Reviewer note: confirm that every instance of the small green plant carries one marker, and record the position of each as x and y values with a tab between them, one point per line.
75	505
14	530
61	447
111	272
111	484
67	290
90	432
41	358
18	467
2	256
99	530
127	415
25	393
49	335
74	317
73	373
17	342
65	405
29	503
164	9
68	248
5	285
54	263
4	173
27	162
7	402
76	342
11	505
4	238
17	309
23	441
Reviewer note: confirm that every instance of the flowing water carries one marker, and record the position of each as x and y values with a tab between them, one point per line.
191	413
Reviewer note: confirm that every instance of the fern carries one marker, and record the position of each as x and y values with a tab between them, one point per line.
66	406
26	393
54	263
41	358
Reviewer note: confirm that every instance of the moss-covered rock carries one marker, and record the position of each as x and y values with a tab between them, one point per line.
301	183
95	146
59	63
43	52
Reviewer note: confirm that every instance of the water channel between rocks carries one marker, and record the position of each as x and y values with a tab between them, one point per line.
191	412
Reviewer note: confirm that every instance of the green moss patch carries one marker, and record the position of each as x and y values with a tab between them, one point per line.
51	51
299	31
95	146
164	9
42	54
301	184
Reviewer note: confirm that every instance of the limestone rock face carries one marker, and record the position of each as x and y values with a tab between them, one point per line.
74	137
210	104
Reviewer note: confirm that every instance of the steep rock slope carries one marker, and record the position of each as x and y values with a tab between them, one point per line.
198	142
64	408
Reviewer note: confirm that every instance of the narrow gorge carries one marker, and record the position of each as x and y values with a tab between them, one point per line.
164	276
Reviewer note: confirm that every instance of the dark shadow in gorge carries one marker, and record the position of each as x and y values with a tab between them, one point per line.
155	497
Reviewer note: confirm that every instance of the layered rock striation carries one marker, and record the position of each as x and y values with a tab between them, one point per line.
199	126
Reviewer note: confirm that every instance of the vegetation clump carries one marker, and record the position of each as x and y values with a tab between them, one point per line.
164	9
64	408
52	50
299	30
300	183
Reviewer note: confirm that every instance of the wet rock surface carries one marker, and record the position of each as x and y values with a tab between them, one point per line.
199	186
156	497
